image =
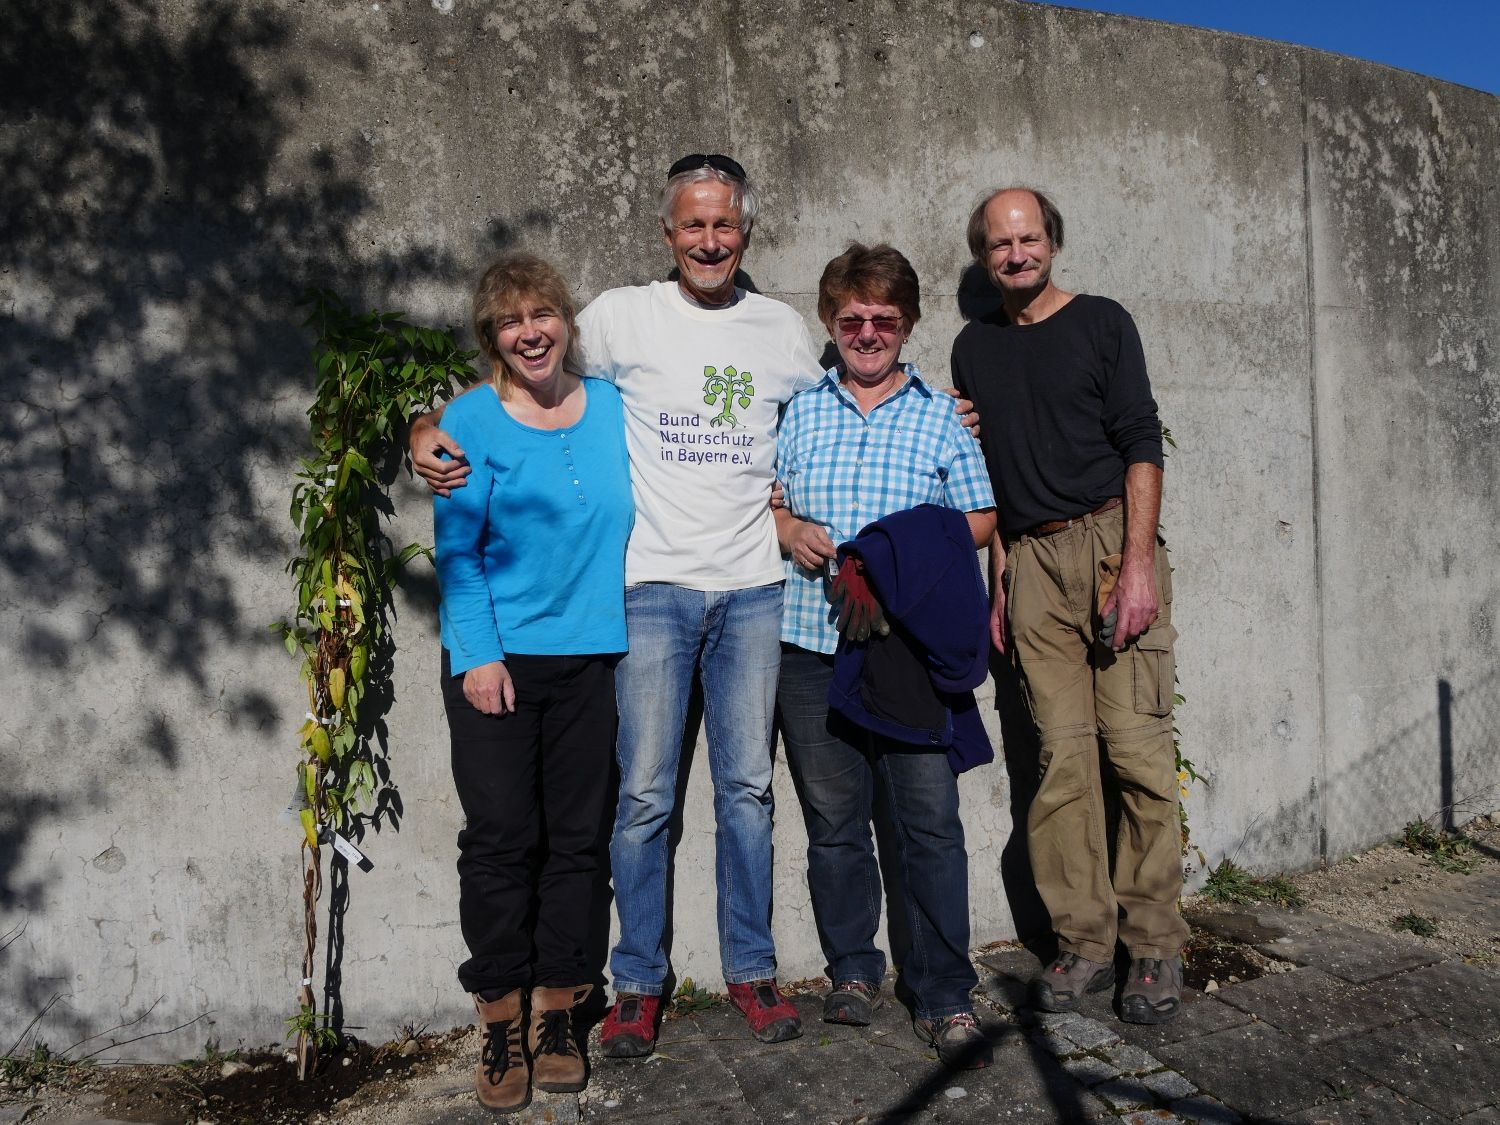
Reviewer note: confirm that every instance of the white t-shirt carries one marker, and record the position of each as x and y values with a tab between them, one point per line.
702	389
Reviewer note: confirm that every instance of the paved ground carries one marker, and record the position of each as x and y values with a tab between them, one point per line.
1369	1026
1364	1026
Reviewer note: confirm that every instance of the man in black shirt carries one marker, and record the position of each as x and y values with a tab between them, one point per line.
1082	600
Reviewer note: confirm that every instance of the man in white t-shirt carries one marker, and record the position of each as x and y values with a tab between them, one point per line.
703	367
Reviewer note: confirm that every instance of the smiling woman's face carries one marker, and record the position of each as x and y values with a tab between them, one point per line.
869	336
532	339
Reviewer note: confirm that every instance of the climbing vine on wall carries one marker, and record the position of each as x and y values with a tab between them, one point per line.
373	370
1186	773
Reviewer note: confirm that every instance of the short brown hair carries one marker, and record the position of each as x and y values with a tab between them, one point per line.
1052	220
509	283
876	274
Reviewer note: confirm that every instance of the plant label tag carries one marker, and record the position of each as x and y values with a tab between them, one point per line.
347	849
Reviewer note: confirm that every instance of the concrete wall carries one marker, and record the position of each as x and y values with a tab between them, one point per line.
1310	245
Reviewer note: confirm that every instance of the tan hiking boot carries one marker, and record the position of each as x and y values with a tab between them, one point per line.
502	1079
555	1057
1064	982
1153	991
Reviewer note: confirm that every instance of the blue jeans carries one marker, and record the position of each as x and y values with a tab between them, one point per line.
732	638
836	766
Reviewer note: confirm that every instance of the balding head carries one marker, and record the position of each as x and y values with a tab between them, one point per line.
1014	196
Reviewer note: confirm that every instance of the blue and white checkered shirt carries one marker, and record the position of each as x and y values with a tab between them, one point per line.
844	470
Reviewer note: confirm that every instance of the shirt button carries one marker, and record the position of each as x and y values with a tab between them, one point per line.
575	482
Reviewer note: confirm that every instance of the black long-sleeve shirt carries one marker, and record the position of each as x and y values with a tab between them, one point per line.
1065	405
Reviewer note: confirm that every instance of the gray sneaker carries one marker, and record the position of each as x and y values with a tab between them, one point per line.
960	1043
1153	990
1064	982
851	1002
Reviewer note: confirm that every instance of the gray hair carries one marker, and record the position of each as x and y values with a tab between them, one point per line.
744	198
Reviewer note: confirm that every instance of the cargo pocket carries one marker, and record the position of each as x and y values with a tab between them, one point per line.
1155	670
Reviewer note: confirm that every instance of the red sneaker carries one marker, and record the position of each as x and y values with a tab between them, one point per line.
629	1031
771	1017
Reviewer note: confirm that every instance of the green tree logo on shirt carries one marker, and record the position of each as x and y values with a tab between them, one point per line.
732	386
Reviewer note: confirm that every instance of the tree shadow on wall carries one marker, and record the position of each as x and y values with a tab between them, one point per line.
156	229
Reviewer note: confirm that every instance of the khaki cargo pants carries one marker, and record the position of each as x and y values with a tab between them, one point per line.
1081	693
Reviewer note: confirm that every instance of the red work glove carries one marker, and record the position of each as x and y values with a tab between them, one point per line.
859	612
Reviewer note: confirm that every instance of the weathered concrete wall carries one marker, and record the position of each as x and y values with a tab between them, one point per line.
1311	247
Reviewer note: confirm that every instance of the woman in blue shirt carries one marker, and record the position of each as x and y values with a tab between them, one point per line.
872	439
531	564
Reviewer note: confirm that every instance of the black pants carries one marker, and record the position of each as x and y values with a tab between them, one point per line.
532	786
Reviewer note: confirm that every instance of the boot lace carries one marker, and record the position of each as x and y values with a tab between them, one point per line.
1150	970
554	1036
499	1053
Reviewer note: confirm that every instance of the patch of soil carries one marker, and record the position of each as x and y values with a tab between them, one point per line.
1210	961
258	1088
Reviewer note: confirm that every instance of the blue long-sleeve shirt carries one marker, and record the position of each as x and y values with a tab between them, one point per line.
531	551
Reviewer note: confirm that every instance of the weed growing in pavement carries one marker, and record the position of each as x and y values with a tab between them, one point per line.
1231	883
1446	851
1417	924
689	998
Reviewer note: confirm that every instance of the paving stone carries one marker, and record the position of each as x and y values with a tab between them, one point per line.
1258	925
1131	1059
1006	992
1199	1015
1014	961
1356	955
1490	1115
835	1082
1152	1117
1168	1085
1091	1034
681	1075
1463	997
1306	937
1052	1042
727	1113
1090	1070
545	1109
1203	1110
1258	1070
1370	1104
1025	1085
1315	1006
1125	1093
1082	1031
1427	1062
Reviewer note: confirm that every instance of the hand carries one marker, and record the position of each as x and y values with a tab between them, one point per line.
966	412
999	626
809	545
859	612
489	689
1133	604
441	474
778	495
